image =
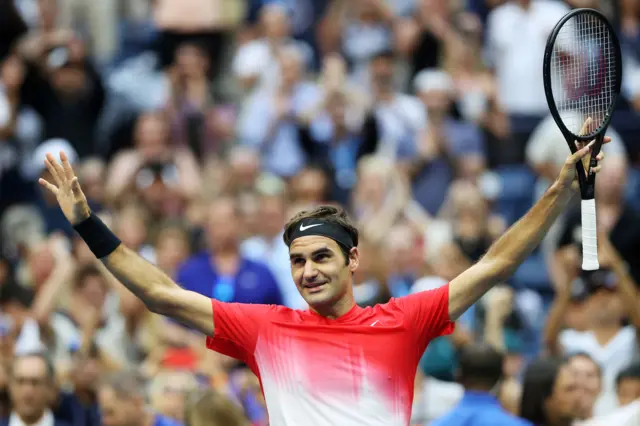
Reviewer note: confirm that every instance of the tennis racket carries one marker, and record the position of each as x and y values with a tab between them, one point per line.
582	73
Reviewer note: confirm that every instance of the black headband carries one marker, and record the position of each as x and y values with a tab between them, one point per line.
326	229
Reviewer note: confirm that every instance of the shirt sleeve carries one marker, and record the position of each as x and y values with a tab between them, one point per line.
427	315
237	327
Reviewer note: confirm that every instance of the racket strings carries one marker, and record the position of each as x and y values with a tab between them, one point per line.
583	72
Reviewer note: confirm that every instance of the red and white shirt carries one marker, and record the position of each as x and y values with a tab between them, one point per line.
358	369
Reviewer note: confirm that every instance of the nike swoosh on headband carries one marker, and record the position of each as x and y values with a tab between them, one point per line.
304	228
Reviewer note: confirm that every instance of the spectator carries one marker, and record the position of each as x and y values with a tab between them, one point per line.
268	122
267	246
628	385
87	317
32	384
480	373
616	218
517	65
221	271
589	380
80	406
446	148
164	177
122	402
64	88
550	393
399	117
198	121
612	296
212	409
256	64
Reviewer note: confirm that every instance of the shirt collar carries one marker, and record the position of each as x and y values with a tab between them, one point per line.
477	398
45	420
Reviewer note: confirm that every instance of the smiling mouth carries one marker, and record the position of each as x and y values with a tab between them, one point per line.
315	287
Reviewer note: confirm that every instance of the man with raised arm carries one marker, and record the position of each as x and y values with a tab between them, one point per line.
335	363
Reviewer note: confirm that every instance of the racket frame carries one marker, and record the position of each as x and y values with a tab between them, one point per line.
586	179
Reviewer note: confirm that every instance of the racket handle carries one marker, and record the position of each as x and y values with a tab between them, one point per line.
589	236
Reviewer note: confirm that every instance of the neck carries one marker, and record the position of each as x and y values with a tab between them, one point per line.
147	419
524	3
604	333
33	419
384	94
226	261
336	310
559	421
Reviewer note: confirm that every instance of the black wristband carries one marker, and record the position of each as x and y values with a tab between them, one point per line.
101	241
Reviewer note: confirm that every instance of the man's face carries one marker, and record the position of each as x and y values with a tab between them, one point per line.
320	270
30	388
382	73
222	225
118	411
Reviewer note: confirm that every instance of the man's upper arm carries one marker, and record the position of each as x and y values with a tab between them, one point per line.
469	286
191	309
427	313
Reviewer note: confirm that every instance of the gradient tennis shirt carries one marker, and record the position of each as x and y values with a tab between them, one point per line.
358	369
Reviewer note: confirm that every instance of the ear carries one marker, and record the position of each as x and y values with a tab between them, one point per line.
354	259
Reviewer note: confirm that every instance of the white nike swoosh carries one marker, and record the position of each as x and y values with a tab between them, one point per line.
304	228
375	323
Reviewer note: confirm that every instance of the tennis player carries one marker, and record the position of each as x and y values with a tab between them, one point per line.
335	363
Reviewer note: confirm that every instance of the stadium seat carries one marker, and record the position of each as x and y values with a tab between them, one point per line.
516	192
633	188
533	274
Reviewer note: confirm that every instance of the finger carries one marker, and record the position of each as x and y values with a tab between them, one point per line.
596	169
66	166
56	164
49	160
585	126
600	156
581	153
75	187
606	139
49	186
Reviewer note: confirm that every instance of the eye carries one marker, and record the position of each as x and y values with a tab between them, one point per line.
298	261
321	257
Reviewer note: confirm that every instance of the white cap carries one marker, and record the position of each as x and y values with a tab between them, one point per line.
51	146
433	79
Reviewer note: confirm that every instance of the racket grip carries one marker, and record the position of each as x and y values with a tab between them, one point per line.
589	236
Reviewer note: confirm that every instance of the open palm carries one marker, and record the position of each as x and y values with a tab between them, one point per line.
66	188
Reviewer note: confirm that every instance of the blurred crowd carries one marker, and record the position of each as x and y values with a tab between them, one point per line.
198	127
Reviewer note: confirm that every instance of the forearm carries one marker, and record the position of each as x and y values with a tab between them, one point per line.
628	291
555	321
143	279
494	332
510	250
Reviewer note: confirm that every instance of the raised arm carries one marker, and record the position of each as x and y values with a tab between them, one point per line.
159	293
509	251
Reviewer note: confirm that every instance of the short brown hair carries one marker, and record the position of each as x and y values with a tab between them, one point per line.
331	214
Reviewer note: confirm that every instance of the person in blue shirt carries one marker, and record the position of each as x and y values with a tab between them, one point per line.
221	272
480	372
121	399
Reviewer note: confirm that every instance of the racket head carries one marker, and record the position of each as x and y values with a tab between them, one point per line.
582	74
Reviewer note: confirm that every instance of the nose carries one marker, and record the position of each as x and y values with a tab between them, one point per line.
310	272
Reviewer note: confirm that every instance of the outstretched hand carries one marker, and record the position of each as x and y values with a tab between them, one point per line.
568	177
66	188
